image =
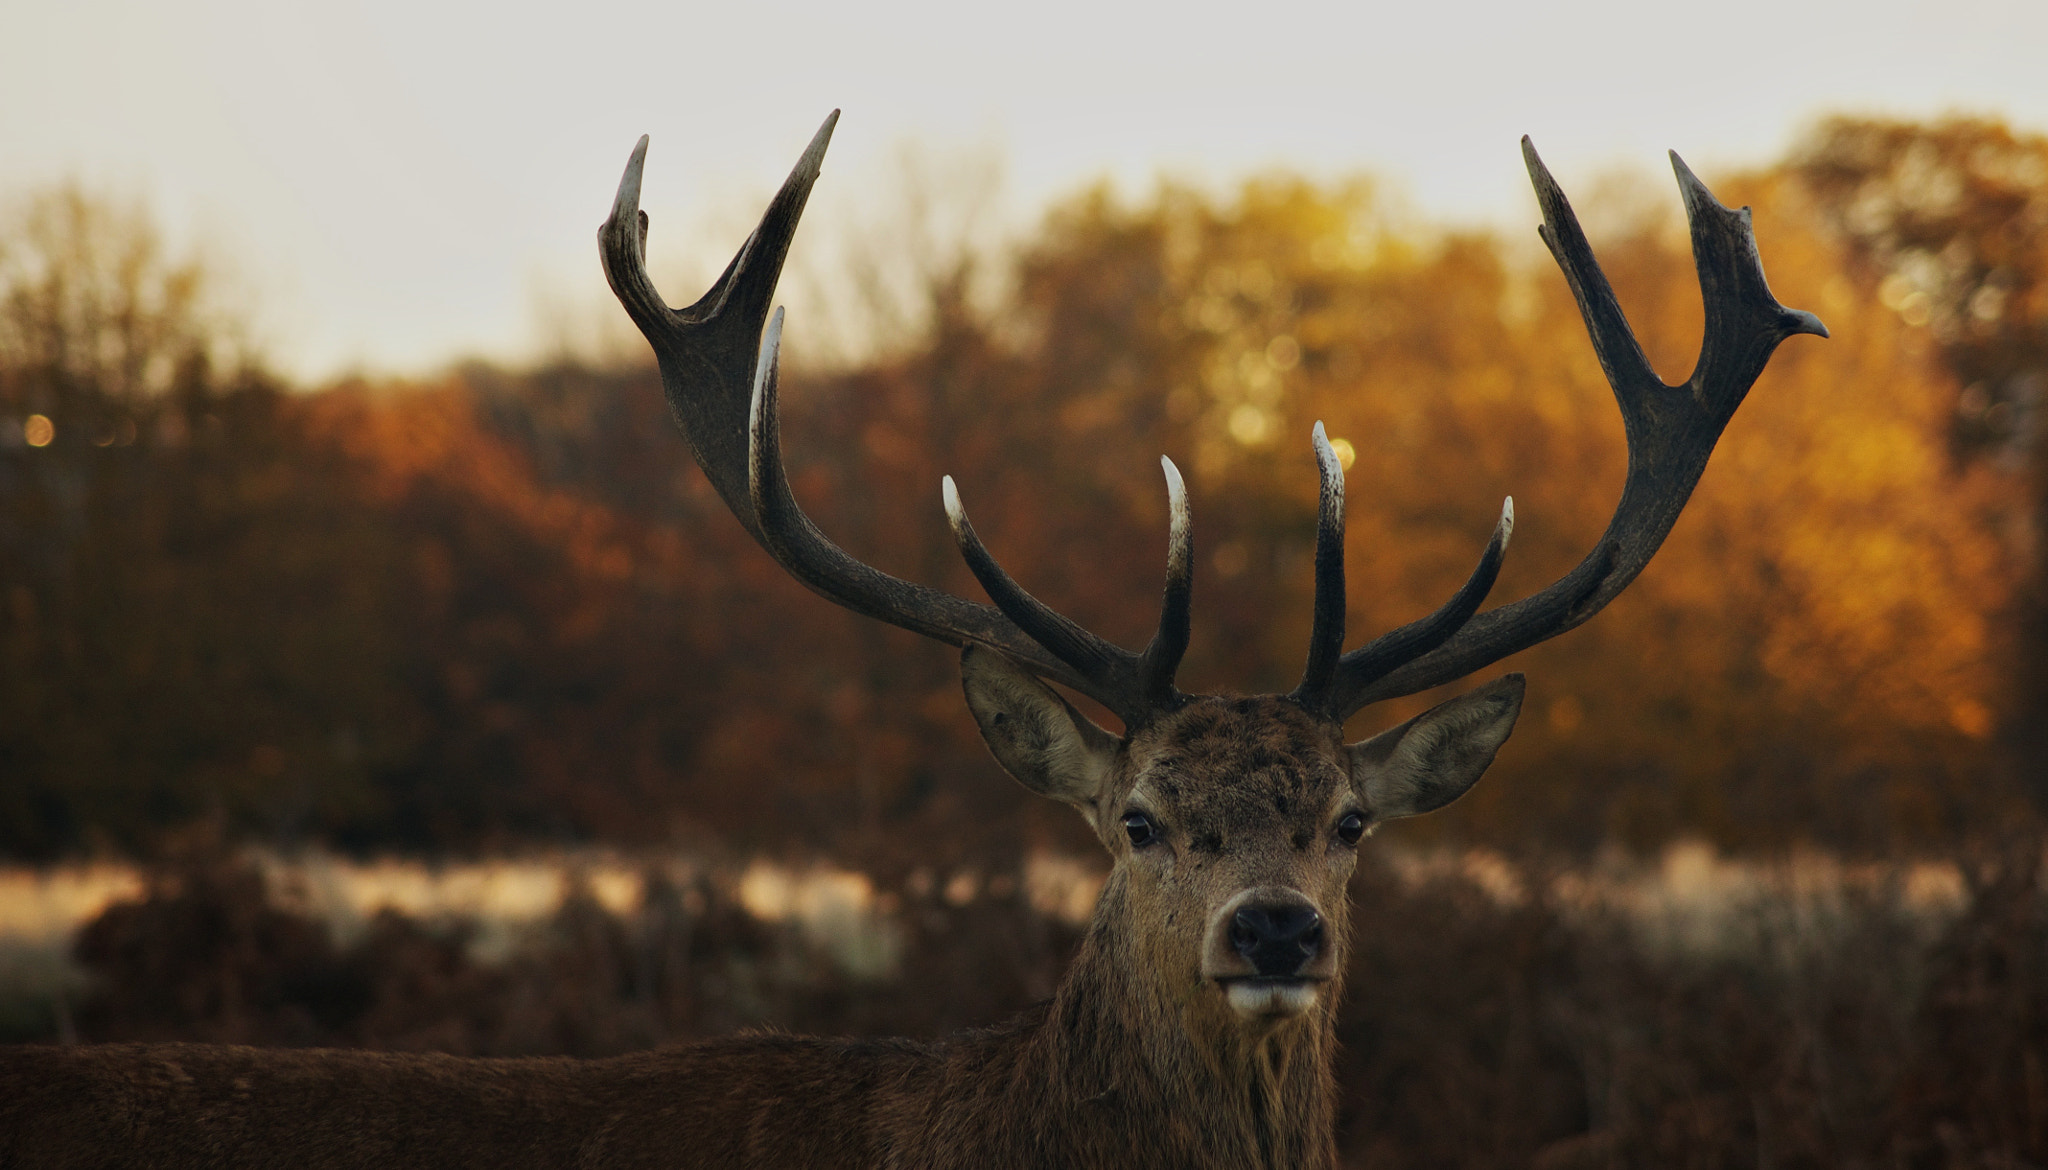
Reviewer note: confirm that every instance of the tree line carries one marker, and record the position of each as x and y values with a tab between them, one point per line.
500	607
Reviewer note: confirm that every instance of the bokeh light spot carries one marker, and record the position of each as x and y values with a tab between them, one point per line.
1250	425
1283	353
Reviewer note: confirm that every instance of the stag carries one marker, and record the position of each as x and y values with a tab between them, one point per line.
1195	1025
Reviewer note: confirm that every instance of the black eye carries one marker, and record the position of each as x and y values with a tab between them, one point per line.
1351	828
1143	832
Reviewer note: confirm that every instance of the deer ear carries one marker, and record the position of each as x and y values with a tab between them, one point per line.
1429	761
1036	735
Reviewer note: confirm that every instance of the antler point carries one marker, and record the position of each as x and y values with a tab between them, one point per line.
1692	188
627	200
1326	455
813	160
1175	486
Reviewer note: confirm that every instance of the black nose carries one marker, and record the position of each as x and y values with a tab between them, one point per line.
1279	938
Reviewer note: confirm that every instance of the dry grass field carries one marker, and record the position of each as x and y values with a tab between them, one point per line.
1685	1011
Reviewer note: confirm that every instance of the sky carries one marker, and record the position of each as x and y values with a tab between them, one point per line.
391	185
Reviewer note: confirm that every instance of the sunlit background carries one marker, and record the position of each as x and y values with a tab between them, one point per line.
399	183
376	669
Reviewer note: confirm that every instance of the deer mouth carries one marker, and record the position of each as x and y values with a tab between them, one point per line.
1271	997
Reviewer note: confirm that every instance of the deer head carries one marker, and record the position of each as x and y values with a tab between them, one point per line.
1233	822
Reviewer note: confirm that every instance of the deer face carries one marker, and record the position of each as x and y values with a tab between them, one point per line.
1235	822
1237	826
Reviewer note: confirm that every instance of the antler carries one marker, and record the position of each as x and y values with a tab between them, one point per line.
719	368
1671	430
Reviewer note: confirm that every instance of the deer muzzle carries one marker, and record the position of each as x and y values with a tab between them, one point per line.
1267	949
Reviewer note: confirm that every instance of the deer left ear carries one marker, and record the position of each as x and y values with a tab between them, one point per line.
1429	761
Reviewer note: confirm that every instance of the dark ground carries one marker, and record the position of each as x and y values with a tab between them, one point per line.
1476	1034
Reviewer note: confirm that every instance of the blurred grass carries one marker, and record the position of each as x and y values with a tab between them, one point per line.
1688	1010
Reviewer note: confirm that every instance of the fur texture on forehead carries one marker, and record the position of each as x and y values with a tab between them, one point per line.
1274	759
1232	761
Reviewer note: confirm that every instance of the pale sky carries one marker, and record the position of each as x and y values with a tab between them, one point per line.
397	183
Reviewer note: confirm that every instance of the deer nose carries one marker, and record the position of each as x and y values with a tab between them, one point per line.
1277	938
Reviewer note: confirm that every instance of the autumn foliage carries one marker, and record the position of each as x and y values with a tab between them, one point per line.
501	607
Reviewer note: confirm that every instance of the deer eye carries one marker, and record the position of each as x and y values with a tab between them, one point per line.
1143	832
1351	828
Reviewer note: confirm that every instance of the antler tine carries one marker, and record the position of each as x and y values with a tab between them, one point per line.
1134	686
720	369
1161	659
1744	322
1372	661
810	556
707	351
1671	430
1068	642
1326	633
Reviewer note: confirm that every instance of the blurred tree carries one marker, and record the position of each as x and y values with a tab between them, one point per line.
97	321
1825	619
186	629
501	606
1812	652
549	647
1812	656
1948	222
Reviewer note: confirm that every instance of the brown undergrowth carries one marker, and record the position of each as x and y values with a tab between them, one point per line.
1478	1031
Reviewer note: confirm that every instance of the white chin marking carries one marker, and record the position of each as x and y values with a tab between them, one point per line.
1258	1000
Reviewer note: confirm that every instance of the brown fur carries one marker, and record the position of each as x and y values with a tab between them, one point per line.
1138	1060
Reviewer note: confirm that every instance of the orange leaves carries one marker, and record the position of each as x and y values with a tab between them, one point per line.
1825	608
498	604
402	437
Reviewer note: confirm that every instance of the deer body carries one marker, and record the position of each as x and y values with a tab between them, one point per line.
1008	1096
1196	1026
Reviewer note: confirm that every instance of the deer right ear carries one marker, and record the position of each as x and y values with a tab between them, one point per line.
1036	735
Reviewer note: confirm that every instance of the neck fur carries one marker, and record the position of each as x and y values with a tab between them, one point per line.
1185	1076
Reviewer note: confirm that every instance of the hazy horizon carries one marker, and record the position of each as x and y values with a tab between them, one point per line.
393	186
